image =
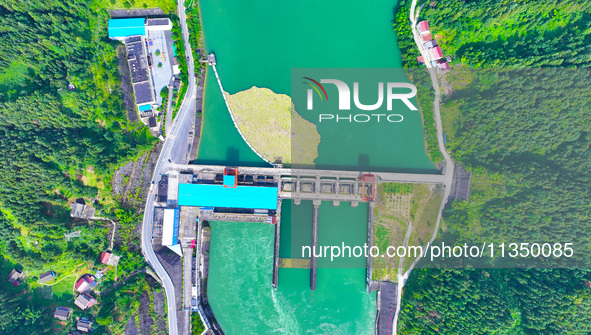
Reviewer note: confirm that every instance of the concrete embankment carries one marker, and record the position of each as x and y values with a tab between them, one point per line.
387	300
202	265
313	261
275	280
369	265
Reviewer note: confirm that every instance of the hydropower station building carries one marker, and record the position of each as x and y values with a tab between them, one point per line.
219	198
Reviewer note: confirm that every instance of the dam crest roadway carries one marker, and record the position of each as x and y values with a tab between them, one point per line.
308	184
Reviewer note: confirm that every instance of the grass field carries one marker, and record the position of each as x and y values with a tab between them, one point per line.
89	177
392	219
63	290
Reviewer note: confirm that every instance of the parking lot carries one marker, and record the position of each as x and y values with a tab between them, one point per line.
160	48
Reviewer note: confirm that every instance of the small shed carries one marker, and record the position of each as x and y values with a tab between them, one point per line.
84	325
46	276
85	301
105	257
62	313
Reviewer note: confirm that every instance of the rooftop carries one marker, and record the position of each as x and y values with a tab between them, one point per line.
158	22
137	61
210	195
119	28
62	313
163	188
152	122
83	325
14	274
143	92
46	276
84	301
170	226
424	26
105	257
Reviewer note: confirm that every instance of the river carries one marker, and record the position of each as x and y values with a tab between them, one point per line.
257	44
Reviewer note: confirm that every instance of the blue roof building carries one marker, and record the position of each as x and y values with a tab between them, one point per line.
143	108
211	195
121	28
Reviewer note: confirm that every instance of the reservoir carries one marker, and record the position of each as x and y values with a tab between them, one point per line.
257	43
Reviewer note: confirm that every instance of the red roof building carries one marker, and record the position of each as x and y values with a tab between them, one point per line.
423	27
426	37
436	53
444	67
421	60
105	257
84	283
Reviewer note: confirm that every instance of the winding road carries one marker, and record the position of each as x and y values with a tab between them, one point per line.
448	172
173	150
70	275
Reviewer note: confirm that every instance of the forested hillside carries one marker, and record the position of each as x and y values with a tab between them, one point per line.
49	133
515	113
493	301
514	33
63	132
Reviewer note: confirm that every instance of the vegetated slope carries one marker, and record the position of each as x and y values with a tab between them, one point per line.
515	114
50	133
496	301
511	33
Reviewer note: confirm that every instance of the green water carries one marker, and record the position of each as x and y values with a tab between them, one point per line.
257	43
240	271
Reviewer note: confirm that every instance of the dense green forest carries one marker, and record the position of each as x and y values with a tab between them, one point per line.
515	114
61	119
512	33
50	134
493	301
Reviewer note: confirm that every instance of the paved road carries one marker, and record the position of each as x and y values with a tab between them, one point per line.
449	164
383	176
168	120
174	149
